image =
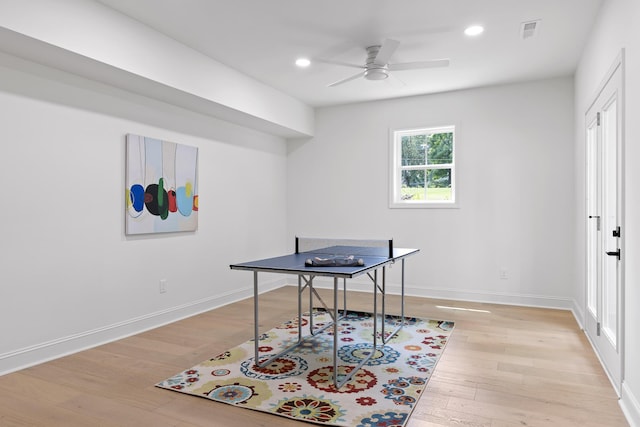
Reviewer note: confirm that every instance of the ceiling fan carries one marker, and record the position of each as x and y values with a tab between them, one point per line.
377	66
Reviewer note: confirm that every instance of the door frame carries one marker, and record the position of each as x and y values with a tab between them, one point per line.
618	63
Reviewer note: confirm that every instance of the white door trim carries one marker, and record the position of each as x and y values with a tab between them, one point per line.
618	64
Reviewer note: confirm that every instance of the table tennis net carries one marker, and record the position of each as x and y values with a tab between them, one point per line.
344	247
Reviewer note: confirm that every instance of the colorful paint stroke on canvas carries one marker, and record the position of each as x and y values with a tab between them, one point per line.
162	186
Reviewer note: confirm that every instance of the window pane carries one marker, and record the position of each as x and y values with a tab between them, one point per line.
413	185
439	184
439	178
439	148
438	193
413	150
430	184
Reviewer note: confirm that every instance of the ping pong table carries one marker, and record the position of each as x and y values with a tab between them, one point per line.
343	260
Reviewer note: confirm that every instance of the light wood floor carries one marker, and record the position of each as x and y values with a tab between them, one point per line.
504	366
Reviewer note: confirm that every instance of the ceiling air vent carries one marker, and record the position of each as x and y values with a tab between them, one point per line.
529	29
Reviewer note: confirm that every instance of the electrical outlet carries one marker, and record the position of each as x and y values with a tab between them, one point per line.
504	274
163	286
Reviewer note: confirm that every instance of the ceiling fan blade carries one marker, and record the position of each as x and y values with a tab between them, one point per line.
348	79
387	49
344	64
395	82
417	65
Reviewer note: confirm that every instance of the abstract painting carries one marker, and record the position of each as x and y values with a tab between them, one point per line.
162	186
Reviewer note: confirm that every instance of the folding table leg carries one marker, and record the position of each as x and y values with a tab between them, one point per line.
256	332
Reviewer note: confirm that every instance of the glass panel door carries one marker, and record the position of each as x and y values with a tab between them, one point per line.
604	228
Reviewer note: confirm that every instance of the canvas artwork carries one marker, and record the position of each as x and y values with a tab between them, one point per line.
162	186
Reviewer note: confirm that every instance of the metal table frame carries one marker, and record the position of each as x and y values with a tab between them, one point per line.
306	277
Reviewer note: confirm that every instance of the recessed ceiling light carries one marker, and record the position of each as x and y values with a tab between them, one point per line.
303	62
474	30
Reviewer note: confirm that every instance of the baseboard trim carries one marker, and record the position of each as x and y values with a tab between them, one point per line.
43	352
578	314
461	295
494	298
630	406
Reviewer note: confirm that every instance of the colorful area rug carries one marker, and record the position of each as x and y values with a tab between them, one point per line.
300	385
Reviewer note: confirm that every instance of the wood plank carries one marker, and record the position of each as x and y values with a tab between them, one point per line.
504	366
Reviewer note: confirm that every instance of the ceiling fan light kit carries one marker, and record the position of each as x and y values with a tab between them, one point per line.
376	74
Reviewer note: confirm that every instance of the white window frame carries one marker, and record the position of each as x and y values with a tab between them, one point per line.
396	168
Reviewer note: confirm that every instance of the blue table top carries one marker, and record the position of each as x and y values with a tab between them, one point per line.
295	263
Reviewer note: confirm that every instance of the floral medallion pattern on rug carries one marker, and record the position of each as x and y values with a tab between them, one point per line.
299	383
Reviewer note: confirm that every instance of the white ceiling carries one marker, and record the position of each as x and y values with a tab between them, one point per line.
262	38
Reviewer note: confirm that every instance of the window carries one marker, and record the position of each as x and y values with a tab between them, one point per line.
423	168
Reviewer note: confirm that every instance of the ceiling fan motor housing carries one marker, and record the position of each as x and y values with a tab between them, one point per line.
374	71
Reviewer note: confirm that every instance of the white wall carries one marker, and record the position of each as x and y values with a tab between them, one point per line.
515	176
70	277
616	29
